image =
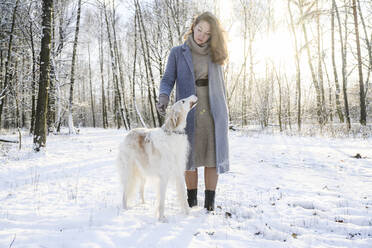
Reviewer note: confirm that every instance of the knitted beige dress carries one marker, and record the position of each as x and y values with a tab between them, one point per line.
204	137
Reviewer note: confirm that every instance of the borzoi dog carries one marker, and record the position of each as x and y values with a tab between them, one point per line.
158	152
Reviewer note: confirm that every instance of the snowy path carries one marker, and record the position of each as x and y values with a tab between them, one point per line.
281	192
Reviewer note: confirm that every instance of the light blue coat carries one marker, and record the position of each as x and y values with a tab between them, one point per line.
180	69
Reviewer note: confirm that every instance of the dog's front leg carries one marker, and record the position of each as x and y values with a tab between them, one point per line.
124	200
161	198
181	193
142	190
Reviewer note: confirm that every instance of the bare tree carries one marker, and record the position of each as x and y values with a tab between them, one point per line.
91	89
134	72
363	113
118	69
5	89
40	132
302	4
337	85
103	94
369	49
320	66
298	70
146	57
343	44
118	106
278	80
72	76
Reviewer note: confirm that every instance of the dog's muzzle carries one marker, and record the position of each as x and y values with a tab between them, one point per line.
193	103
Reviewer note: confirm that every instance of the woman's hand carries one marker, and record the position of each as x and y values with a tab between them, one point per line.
162	104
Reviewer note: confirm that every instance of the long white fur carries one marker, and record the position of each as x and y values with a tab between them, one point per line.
158	152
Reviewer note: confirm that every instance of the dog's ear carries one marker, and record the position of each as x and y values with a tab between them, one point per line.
174	118
147	138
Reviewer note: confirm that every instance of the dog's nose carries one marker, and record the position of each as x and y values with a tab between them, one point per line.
193	103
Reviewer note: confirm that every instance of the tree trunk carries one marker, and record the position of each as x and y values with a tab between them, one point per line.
33	83
289	115
123	104
24	95
298	71
4	91
363	113
51	115
337	85
344	64
148	62
91	90
118	99
330	112
104	108
244	109
20	93
320	68
146	69
369	49
280	100
15	93
170	30
251	68
59	111
42	101
1	75
71	127
109	94
134	73
309	58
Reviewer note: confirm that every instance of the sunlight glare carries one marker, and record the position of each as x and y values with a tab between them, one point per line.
276	47
226	10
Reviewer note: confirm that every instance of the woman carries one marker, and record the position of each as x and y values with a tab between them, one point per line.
196	66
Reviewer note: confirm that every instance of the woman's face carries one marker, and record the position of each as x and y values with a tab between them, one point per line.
202	32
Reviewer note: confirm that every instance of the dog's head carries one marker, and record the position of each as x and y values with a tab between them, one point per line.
176	118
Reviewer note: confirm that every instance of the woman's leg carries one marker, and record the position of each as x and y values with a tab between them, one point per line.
210	178
191	179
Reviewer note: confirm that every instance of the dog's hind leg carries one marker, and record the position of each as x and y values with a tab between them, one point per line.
125	206
161	198
122	166
128	185
126	189
142	189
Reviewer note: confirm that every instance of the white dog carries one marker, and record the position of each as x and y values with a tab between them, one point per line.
158	152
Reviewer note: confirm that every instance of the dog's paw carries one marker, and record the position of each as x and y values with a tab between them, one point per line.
163	219
186	211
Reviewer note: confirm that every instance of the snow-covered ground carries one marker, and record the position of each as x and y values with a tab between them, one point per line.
281	192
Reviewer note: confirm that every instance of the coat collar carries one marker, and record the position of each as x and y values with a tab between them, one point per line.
187	54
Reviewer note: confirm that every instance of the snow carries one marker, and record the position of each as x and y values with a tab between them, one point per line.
281	191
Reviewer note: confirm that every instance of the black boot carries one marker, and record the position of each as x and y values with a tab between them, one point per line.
192	197
209	200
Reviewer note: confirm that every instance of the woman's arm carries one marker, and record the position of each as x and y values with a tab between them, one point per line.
170	75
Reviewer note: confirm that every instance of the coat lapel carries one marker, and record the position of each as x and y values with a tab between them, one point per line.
187	54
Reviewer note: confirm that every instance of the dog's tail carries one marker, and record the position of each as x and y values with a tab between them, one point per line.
129	177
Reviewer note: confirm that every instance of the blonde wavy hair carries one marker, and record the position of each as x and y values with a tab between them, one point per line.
218	45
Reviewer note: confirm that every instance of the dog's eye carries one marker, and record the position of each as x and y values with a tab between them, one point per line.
183	101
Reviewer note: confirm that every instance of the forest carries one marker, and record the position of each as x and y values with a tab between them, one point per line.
293	65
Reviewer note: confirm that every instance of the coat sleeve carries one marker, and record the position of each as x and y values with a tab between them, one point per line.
223	81
170	75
